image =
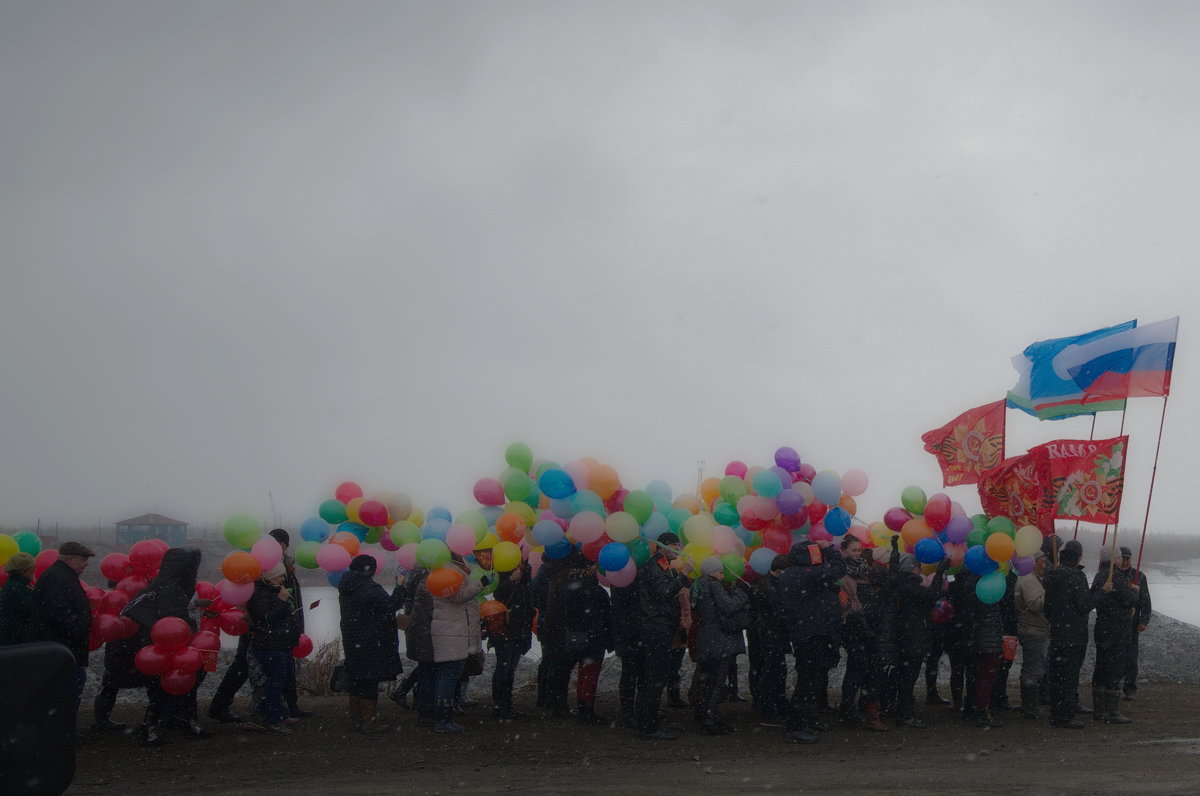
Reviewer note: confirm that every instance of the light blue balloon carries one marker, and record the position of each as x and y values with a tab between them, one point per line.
355	528
760	560
661	502
547	532
562	509
827	487
767	484
335	577
659	488
743	534
435	528
491	514
314	529
655	525
437	512
587	500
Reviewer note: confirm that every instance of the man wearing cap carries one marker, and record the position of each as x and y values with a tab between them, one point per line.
60	608
1141	618
1067	603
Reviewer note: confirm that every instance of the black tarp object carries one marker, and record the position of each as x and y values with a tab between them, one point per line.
37	718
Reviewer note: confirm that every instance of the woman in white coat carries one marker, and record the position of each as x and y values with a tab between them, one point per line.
454	628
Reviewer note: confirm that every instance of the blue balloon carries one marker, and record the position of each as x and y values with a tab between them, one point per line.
613	557
662	502
760	560
355	528
335	577
662	488
827	487
562	509
560	549
437	512
435	528
556	484
837	521
587	500
491	513
746	536
547	532
314	529
977	561
655	525
929	551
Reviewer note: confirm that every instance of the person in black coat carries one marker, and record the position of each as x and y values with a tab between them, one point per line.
273	614
659	613
292	583
555	674
627	644
513	639
769	644
721	613
1114	609
369	638
813	614
16	599
1008	624
879	640
61	611
1141	619
587	626
987	646
1068	603
913	606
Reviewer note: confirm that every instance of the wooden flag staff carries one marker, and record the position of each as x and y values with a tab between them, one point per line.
1153	473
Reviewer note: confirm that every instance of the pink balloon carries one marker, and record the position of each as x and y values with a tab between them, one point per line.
381	560
724	540
854	482
385	541
235	593
736	468
460	539
818	533
267	552
807	473
535	560
578	472
333	558
956	509
586	527
406	556
624	576
373	513
895	517
489	492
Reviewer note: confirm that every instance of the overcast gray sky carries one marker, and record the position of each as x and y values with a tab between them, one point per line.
268	246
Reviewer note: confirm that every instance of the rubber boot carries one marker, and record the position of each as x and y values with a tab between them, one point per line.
1029	702
1112	701
444	718
354	707
874	721
369	725
1099	704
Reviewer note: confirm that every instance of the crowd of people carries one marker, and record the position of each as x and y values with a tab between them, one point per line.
819	602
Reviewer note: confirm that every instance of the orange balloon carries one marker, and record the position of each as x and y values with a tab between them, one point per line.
689	502
491	608
708	490
352	507
915	530
346	540
444	581
1000	547
848	503
510	527
239	567
604	481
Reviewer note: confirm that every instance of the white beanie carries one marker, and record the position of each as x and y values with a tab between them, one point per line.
274	572
711	565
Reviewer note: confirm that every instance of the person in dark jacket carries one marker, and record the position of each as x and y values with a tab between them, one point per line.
1008	626
809	589
1068	603
854	628
987	647
547	633
959	644
369	638
16	599
170	594
1141	619
587	622
659	613
627	644
913	607
1114	610
292	584
879	639
273	614
418	644
770	645
721	613
512	640
61	611
548	590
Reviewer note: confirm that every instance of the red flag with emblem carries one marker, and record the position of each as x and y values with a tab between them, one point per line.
1087	477
1020	490
968	445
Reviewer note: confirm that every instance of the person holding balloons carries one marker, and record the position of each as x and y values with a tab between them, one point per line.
659	614
770	644
510	637
914	604
369	639
16	599
454	633
273	612
587	622
987	633
722	613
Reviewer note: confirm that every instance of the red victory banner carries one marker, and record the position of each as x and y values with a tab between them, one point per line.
1020	490
968	445
1087	477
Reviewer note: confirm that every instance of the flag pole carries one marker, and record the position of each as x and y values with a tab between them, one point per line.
1120	433
1150	497
1091	436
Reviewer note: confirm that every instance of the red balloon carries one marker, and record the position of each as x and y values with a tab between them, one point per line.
895	518
373	513
94	594
206	591
177	683
94	643
793	522
3	577
207	641
128	627
816	511
113	601
210	624
304	648
133	585
43	560
752	522
106	627
170	633
152	660
937	511
161	545
144	558
186	659
591	550
779	541
115	566
233	623
347	491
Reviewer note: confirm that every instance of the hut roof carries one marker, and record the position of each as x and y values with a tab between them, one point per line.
151	519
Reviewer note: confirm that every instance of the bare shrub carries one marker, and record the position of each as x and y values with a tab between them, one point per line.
315	671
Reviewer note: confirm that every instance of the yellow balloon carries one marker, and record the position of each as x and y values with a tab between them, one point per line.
489	541
700	530
416	517
506	556
1029	540
352	509
8	547
696	553
523	511
621	527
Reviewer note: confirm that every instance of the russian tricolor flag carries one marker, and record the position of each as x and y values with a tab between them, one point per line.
1131	364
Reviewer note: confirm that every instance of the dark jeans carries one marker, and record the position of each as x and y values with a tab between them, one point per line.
937	648
280	672
558	681
659	668
857	667
160	705
106	698
714	675
1111	660
80	682
674	680
439	683
364	689
1065	662
987	666
235	677
960	662
508	655
771	689
1131	662
904	679
633	670
814	658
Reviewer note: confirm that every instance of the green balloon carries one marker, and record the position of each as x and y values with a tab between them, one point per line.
1001	525
473	519
333	511
675	520
242	531
519	455
640	504
990	588
732	489
517	486
28	542
976	537
639	550
913	499
534	498
306	554
405	532
373	535
725	514
735	566
979	520
433	553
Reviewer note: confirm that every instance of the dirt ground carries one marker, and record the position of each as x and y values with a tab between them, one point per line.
1159	753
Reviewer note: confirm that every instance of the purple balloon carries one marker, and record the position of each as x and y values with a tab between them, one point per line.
1023	564
789	501
785	478
957	529
788	459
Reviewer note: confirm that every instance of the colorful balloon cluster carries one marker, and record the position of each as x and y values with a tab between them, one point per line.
935	527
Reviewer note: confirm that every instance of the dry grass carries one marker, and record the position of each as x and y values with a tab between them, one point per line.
315	671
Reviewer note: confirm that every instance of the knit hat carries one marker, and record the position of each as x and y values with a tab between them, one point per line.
711	566
19	562
1071	552
274	572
